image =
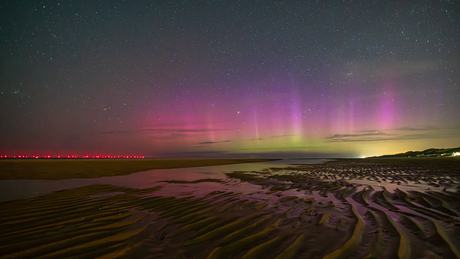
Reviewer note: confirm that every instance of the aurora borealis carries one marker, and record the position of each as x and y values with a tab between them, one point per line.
183	79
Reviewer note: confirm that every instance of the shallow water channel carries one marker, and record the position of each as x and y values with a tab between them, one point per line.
23	189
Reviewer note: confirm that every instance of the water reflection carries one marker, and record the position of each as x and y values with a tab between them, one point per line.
21	189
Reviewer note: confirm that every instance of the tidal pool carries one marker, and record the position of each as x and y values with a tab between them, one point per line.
22	189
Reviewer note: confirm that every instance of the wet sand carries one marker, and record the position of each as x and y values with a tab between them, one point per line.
363	208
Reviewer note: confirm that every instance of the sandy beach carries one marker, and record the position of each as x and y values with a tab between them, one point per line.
356	208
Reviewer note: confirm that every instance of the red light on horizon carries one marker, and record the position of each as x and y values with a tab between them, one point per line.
73	156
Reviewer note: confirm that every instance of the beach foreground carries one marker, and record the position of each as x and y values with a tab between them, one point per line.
363	208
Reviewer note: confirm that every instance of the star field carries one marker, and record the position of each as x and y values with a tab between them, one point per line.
229	78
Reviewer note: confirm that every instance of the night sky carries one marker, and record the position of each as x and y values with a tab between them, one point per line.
228	78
